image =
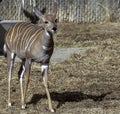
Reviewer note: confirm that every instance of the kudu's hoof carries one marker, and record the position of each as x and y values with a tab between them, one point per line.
10	104
23	107
52	110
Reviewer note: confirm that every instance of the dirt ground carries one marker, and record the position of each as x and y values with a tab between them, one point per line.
86	83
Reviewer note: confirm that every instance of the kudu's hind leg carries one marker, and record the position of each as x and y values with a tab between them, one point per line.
25	68
22	67
10	62
44	69
27	78
20	76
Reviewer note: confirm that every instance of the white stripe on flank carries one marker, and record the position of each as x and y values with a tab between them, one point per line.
29	42
12	33
26	33
33	38
16	37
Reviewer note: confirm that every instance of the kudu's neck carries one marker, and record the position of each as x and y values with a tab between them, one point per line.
47	39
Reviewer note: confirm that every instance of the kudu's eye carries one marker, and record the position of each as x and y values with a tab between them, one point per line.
46	22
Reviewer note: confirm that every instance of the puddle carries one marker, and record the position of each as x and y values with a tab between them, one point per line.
61	54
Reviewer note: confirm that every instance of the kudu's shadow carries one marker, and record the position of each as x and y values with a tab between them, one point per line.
68	97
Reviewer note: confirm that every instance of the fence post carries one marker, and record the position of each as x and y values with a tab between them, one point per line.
107	10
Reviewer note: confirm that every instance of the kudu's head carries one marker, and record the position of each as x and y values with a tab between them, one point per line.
49	20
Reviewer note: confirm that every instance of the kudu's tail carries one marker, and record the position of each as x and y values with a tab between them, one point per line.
5	50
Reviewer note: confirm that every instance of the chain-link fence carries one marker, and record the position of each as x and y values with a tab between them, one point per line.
68	11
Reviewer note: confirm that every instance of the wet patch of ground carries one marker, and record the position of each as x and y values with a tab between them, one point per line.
85	83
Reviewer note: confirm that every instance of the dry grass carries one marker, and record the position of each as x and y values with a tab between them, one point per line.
88	82
84	35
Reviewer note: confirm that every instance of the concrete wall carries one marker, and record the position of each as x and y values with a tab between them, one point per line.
2	37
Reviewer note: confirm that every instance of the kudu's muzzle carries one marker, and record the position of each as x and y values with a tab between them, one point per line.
54	29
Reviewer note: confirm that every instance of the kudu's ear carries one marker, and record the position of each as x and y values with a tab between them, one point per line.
32	16
54	8
38	14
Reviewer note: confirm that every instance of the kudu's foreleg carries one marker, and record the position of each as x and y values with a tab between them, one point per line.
44	69
10	62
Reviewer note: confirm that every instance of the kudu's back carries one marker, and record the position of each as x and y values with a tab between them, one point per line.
21	32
